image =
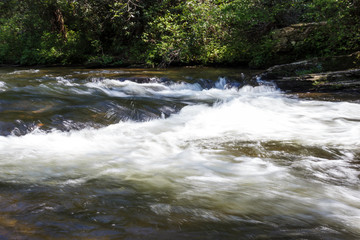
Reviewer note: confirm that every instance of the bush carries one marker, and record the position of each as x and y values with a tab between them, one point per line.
164	32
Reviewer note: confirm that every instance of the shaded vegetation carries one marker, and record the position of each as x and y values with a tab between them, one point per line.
164	32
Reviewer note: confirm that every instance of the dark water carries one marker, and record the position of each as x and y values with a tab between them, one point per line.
174	154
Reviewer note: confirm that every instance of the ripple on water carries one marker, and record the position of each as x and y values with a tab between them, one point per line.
174	159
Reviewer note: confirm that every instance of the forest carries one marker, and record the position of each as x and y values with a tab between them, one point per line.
163	33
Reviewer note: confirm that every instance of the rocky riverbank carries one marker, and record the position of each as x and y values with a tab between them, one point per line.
332	74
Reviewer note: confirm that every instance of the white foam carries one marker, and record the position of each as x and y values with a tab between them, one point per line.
65	82
184	91
101	72
3	86
247	117
25	71
164	153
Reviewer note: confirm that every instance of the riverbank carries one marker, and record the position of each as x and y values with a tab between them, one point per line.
324	75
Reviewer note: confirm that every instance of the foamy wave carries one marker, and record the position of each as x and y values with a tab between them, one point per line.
3	86
65	82
221	90
25	71
165	154
101	72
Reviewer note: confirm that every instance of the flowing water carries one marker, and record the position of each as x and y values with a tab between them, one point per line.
173	154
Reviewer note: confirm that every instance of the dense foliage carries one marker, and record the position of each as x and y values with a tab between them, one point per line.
163	32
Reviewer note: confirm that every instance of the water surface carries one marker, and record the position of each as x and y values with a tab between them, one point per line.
173	154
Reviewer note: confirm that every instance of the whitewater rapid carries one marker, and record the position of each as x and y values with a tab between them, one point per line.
217	152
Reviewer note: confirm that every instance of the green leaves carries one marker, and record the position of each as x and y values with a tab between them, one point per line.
164	32
190	32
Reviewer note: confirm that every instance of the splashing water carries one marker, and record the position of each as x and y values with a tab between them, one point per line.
212	162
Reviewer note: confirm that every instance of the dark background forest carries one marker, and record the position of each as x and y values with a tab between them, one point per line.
160	33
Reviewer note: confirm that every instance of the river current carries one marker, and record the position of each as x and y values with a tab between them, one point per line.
173	154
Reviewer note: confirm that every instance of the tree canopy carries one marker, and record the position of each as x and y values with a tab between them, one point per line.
164	32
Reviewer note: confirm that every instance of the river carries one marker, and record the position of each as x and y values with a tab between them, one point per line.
188	153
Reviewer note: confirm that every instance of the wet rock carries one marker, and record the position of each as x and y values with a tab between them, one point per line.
338	73
344	81
315	65
287	70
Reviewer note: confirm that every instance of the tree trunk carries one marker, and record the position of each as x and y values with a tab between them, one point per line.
59	24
